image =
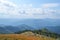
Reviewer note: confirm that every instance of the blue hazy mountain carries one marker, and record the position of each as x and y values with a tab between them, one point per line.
13	25
12	29
31	22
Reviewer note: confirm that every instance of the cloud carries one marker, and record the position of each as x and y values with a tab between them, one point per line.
11	10
7	8
50	5
7	3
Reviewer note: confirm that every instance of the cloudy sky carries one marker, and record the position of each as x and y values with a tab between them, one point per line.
39	9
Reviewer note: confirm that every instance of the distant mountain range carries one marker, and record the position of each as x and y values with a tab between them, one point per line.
14	25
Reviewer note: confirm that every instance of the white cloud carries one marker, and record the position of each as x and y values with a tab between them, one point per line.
7	8
48	5
5	2
12	10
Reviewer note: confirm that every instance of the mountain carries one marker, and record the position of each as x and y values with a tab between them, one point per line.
33	22
55	29
13	29
44	32
4	30
14	25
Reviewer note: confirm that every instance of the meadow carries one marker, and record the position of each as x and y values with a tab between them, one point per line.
23	37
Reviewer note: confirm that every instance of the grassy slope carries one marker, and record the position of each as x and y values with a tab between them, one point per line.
27	35
23	37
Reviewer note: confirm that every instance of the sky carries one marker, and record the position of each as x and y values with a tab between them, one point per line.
38	9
